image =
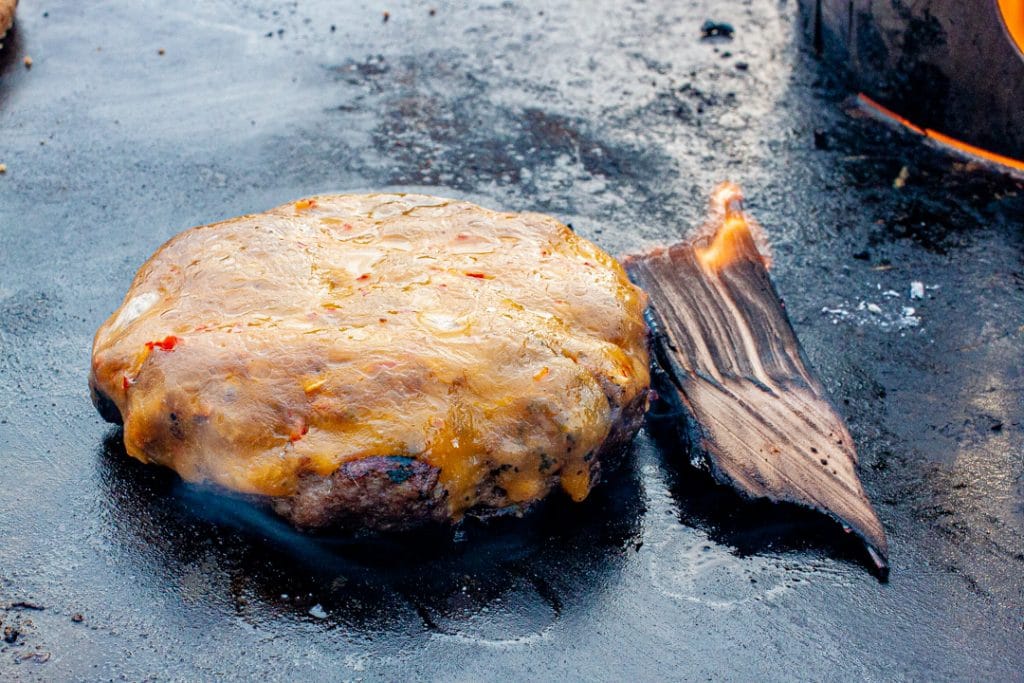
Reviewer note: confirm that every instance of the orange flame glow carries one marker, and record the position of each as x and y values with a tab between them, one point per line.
730	231
1013	17
941	139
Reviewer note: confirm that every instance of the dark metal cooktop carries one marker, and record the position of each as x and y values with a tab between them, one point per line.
617	118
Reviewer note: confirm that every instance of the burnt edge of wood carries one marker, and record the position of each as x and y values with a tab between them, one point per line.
756	416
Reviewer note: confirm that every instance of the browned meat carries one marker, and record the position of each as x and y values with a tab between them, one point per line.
379	492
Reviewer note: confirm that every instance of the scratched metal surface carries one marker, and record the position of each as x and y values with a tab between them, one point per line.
617	118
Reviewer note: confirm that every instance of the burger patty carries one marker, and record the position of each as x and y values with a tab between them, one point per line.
396	493
378	361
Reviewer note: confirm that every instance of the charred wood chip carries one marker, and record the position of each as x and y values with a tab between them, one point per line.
755	414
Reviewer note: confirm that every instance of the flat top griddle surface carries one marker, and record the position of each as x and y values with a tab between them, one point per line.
617	118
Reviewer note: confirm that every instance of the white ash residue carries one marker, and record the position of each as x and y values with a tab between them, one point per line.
887	309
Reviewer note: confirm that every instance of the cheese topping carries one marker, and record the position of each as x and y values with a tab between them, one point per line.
497	347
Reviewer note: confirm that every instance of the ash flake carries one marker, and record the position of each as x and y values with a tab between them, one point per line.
884	316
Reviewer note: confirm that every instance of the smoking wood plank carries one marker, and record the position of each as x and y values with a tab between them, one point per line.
758	418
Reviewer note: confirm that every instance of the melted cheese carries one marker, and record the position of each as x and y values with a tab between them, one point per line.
497	347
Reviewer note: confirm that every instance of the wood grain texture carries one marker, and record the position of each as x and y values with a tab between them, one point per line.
758	418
